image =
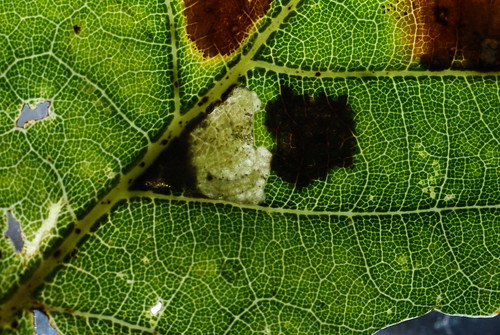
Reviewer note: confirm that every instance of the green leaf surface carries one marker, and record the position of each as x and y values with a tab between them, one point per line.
412	226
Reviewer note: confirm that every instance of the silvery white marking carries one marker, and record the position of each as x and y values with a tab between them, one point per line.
227	165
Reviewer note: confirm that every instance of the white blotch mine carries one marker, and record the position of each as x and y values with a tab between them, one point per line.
227	164
46	228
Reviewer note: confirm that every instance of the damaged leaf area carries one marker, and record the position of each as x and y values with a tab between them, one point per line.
223	155
216	158
246	166
312	134
219	27
458	34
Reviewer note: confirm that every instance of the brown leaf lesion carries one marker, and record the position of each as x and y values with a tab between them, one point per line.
219	27
457	34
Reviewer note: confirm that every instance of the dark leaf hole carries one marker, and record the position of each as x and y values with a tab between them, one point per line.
312	135
77	29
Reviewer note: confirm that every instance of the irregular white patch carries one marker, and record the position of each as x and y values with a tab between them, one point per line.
44	232
227	165
156	308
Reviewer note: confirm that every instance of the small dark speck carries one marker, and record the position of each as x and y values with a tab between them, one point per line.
203	101
164	142
142	164
57	253
14	324
78	231
77	29
318	74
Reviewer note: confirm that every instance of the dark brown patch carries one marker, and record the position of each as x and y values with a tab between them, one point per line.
77	29
78	231
142	164
57	253
312	134
203	101
171	172
458	34
218	27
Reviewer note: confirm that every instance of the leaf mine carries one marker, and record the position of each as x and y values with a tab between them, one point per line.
458	34
219	27
222	151
313	134
215	157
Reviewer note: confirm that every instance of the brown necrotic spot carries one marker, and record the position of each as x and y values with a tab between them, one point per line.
458	34
171	172
219	27
76	29
312	134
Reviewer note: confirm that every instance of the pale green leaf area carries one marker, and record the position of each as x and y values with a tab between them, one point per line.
412	226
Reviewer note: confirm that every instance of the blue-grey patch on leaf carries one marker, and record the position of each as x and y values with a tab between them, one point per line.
27	114
42	325
14	232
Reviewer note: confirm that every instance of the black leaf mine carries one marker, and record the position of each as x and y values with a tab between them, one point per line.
312	134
